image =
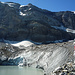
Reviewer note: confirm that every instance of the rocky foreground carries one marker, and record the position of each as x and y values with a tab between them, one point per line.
45	56
66	69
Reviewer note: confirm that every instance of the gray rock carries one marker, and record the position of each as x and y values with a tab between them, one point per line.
32	23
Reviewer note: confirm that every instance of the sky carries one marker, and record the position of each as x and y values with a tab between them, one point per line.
51	5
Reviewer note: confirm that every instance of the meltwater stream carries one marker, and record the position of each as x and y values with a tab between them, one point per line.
15	70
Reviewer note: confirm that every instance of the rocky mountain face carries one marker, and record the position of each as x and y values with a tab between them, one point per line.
20	22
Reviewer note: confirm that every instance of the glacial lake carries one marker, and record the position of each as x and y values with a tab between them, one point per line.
15	70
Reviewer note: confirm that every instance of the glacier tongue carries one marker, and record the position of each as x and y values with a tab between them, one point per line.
46	57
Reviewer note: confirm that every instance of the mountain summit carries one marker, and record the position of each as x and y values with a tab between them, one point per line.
28	22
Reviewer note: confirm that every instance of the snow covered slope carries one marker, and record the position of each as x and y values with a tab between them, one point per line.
23	43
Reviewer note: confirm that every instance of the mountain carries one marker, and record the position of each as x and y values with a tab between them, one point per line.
28	22
41	37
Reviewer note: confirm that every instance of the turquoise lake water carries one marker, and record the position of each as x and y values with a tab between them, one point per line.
15	70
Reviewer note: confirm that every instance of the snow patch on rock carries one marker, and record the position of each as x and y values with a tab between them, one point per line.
30	8
19	43
10	4
22	14
73	12
23	43
64	28
23	6
70	30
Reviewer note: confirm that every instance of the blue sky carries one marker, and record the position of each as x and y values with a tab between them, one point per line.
51	5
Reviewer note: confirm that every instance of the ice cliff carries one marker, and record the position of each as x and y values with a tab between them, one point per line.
45	57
